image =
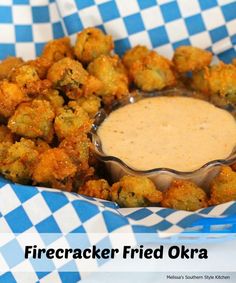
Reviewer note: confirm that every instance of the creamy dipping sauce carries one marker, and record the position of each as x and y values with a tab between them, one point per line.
179	133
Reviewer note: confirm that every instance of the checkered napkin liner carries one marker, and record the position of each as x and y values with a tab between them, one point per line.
163	25
28	209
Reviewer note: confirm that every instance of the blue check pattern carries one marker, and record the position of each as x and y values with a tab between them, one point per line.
28	209
163	25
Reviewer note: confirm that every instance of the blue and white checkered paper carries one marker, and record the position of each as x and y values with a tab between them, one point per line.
30	210
25	26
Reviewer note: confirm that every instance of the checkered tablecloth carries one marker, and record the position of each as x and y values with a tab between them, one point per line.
25	26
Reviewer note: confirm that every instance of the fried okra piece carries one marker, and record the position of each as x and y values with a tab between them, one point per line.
91	43
218	79
69	76
57	49
199	81
54	97
55	169
223	186
20	159
189	58
134	54
135	191
222	80
90	104
33	119
184	195
7	65
41	145
4	146
10	96
28	80
23	74
6	135
72	119
77	147
96	189
41	65
113	75
152	72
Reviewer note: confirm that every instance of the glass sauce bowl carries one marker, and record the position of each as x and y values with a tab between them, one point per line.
162	177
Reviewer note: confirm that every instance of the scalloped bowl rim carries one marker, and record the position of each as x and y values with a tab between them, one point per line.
109	158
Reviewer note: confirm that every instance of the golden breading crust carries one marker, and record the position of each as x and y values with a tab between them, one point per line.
222	79
218	79
6	135
135	191
7	65
71	120
184	195
152	72
189	58
33	119
90	104
53	96
20	159
199	81
96	189
4	146
223	186
41	145
55	169
23	74
10	96
132	55
91	43
69	76
77	147
113	75
57	49
41	65
28	80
